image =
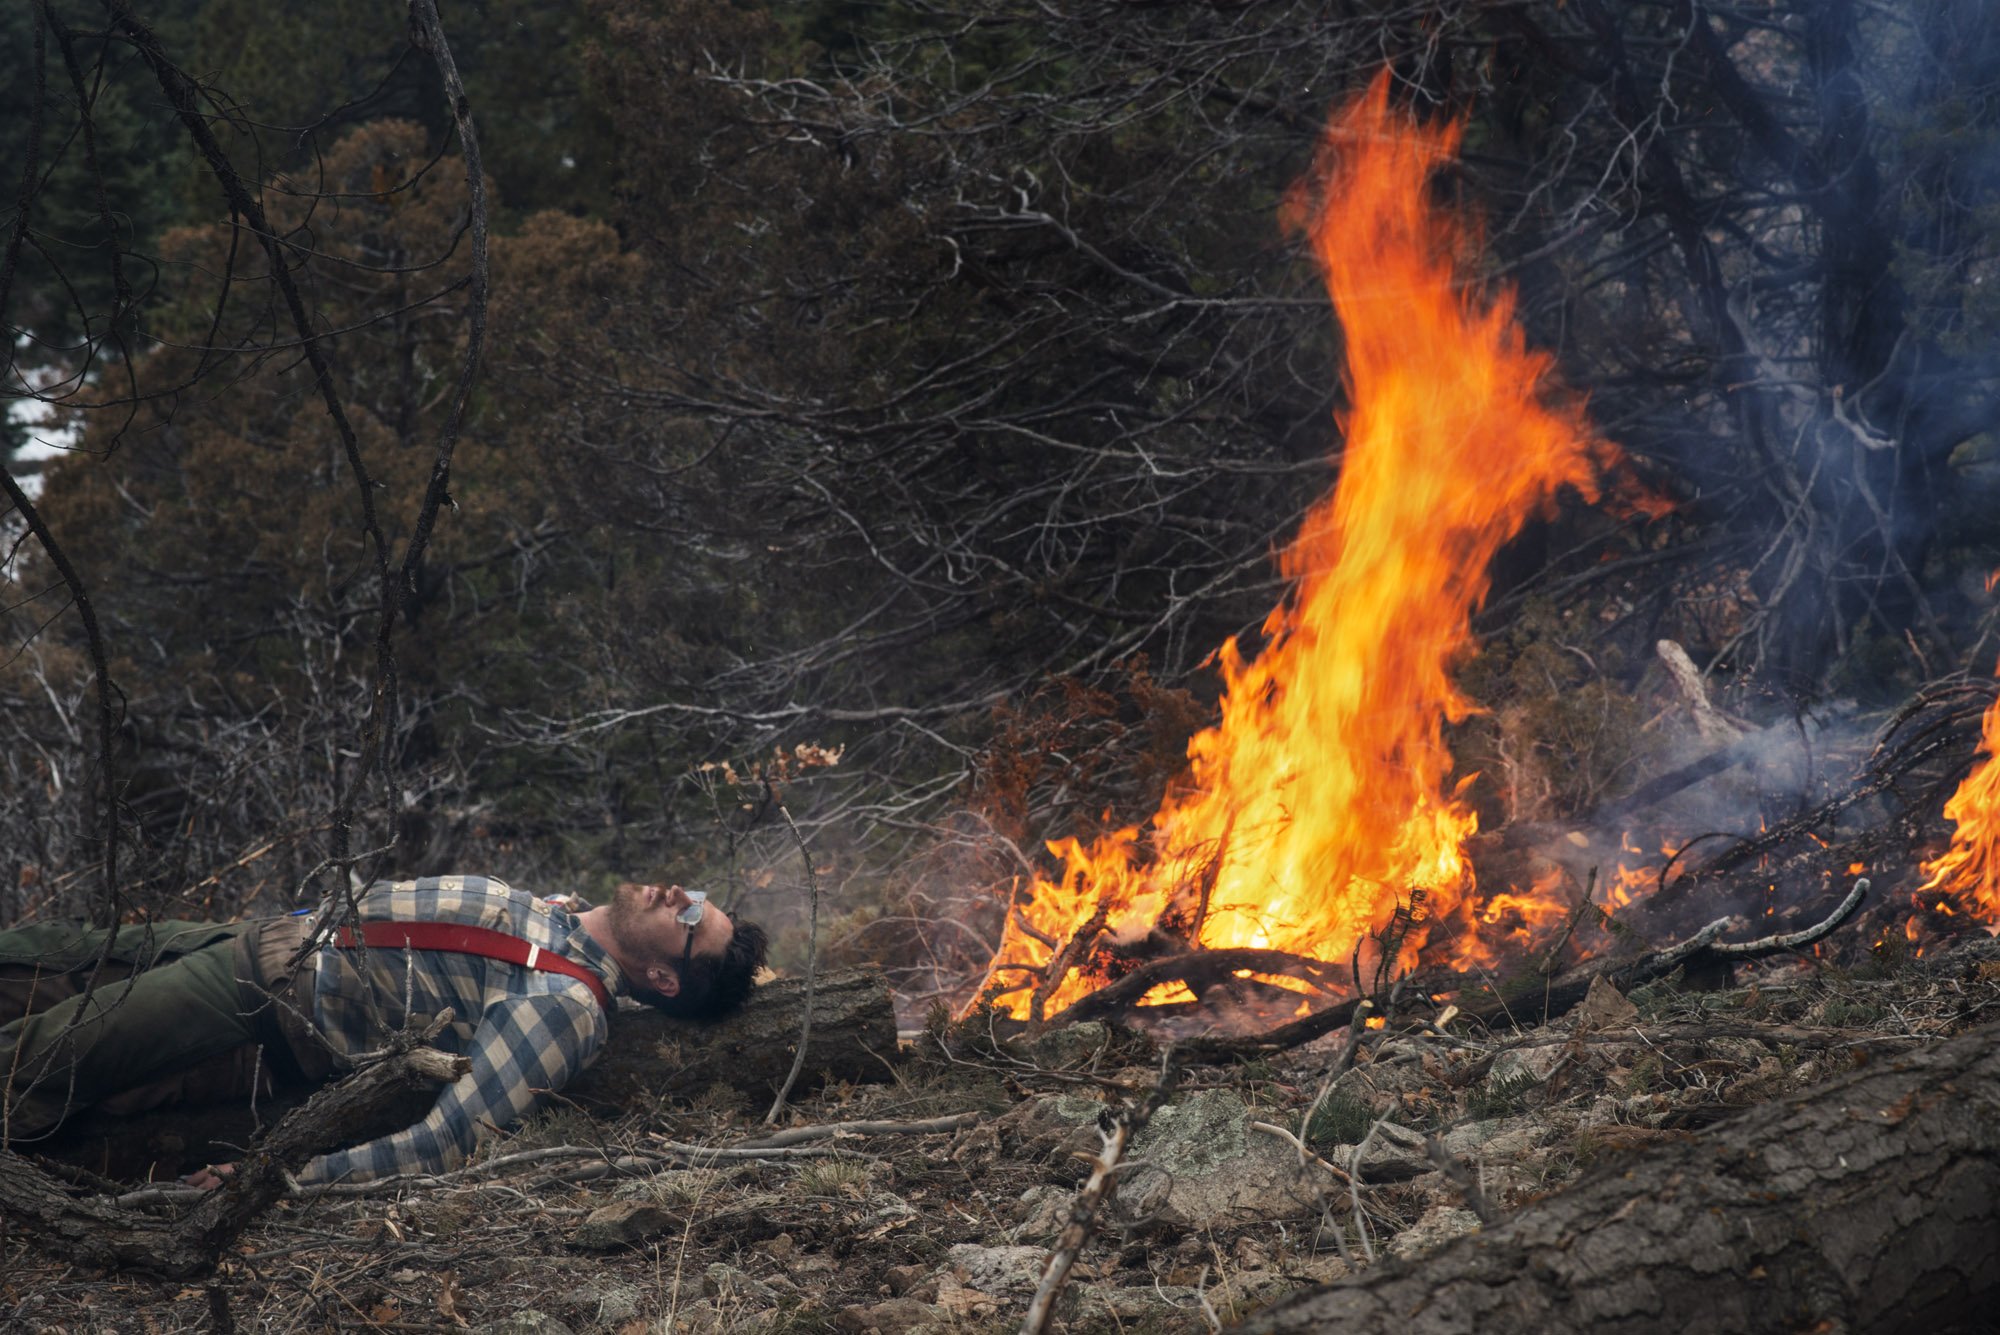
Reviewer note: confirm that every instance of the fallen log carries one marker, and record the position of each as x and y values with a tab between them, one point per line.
1871	1203
751	1052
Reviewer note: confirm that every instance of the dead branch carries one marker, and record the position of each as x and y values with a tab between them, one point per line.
1076	948
799	1135
1773	945
1082	1222
812	957
1198	969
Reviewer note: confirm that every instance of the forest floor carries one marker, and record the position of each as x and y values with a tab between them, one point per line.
1219	1210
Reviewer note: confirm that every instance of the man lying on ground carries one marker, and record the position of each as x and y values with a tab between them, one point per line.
186	1011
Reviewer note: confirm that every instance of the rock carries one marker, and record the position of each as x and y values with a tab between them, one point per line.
1071	1046
1439	1225
1112	1306
527	1321
1536	1064
726	1284
902	1278
1395	1154
1207	1168
605	1302
1496	1139
996	1271
1042	1213
622	1224
897	1316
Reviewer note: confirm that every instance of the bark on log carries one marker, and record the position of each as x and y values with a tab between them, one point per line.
1871	1203
853	1039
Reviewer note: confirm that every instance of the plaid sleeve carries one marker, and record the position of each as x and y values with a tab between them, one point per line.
525	1045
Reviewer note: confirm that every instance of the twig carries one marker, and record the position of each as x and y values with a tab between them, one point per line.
1355	1027
1082	1222
812	956
1569	925
1771	945
1305	1154
827	1130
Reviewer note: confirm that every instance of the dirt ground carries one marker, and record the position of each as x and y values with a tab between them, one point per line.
1233	1197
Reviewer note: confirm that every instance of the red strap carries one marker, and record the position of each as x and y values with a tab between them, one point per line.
466	939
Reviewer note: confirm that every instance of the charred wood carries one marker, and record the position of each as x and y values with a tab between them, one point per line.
1199	969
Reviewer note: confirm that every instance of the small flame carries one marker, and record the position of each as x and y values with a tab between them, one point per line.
1969	870
1323	798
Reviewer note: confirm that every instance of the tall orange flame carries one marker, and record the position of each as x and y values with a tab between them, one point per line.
1321	797
1970	869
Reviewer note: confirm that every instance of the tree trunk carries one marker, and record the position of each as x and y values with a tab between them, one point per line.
1871	1203
853	1039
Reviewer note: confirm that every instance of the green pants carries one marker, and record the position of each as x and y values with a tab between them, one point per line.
164	1017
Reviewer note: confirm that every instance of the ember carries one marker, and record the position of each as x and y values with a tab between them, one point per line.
1324	798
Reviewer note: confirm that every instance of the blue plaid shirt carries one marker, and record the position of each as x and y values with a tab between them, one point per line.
526	1031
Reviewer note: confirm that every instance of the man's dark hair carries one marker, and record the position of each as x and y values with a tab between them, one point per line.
711	988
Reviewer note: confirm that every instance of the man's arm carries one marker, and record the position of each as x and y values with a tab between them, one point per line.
523	1046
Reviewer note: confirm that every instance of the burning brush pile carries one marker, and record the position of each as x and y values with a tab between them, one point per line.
1319	844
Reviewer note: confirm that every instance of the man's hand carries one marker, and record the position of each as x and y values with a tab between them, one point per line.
210	1176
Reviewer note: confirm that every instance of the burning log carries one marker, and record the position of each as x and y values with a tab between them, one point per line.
1199	969
1539	1000
1536	1000
1870	1203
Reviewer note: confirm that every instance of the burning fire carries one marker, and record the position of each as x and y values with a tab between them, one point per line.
1324	796
1970	868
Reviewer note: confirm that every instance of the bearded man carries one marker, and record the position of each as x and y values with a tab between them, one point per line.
139	1017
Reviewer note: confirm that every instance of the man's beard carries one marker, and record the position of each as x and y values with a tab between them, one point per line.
623	909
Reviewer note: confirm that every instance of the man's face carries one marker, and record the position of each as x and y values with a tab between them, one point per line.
647	920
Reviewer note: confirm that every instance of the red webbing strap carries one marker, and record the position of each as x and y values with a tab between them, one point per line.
466	939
